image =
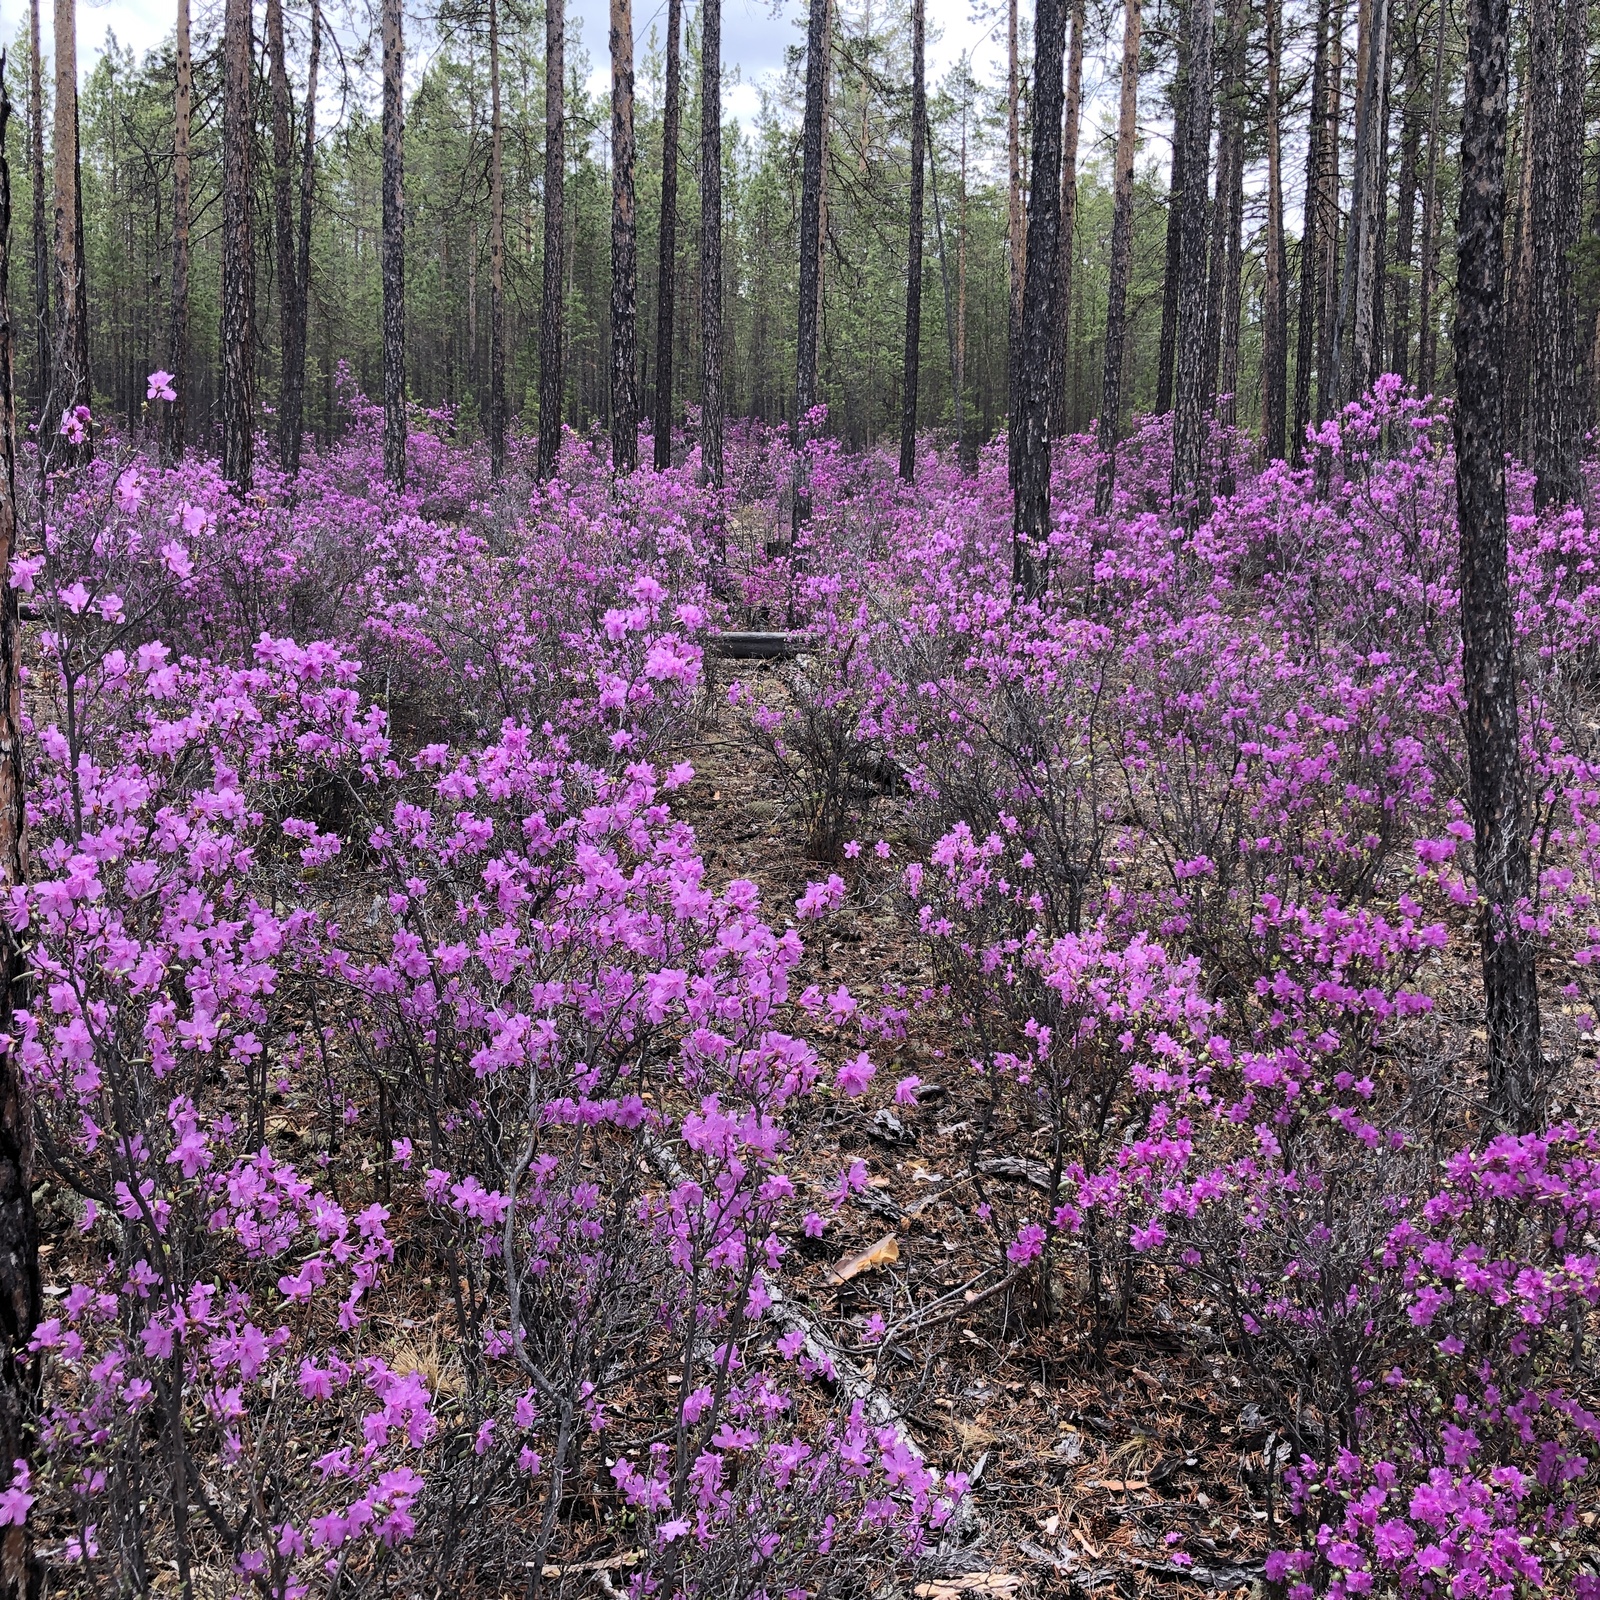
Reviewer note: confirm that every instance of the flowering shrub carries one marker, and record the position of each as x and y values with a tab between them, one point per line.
427	1127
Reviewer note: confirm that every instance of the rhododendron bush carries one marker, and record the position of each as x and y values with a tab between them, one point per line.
373	970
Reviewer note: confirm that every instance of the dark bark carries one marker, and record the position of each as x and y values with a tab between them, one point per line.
41	231
497	255
69	366
292	420
1121	261
1189	491
1030	484
238	250
552	303
913	349
711	242
394	246
951	315
282	210
1489	670
667	269
173	424
1166	358
1427	312
1233	258
810	252
1406	201
1310	285
1553	441
1358	300
1275	283
1061	413
1328	399
1227	210
20	1576
624	248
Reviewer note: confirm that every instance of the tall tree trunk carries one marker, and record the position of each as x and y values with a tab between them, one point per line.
173	428
19	1231
41	231
1275	282
1121	261
294	377
1233	259
913	353
1310	284
1406	205
552	303
1427	314
1553	440
711	242
238	249
810	253
624	249
1574	84
69	368
394	246
667	270
1016	238
1189	492
1031	482
1167	356
1488	658
957	400
1227	207
1358	300
965	448
282	214
1328	398
497	255
1060	415
1519	350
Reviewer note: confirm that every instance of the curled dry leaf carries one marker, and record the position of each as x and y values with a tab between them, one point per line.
886	1250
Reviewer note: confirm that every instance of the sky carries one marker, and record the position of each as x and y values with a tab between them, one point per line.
755	34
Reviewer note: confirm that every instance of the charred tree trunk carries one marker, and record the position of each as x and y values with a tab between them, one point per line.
667	270
624	249
1488	657
282	213
913	355
41	232
292	419
394	246
1406	204
1016	238
173	424
810	253
1226	210
1121	262
1275	282
20	1297
1310	285
1427	312
1358	308
1553	441
497	255
238	250
1167	357
1189	491
711	242
1328	399
1060	415
1231	308
1031	480
552	304
69	367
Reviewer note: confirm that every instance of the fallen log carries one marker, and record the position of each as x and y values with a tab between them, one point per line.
757	646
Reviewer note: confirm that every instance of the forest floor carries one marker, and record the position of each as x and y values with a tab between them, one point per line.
1086	1454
